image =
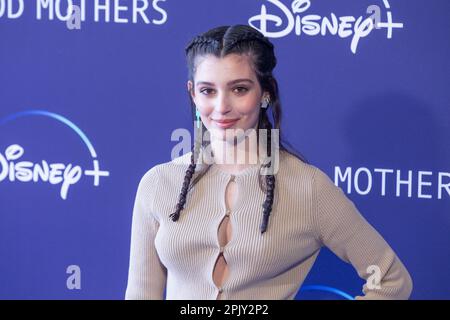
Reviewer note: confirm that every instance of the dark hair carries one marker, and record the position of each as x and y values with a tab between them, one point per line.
242	40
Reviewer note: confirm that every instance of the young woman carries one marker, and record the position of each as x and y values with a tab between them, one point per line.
244	229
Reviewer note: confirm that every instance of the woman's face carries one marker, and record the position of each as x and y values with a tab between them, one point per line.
226	89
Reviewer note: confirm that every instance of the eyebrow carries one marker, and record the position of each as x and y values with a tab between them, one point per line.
229	83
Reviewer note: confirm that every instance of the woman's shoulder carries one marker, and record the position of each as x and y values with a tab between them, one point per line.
292	166
172	169
162	178
301	174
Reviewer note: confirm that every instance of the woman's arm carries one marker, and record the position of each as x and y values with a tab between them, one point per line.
345	232
147	276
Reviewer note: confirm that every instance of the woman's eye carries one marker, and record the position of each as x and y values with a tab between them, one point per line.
241	89
206	91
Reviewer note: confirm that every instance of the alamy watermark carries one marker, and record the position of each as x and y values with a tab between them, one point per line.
236	146
373	281
73	282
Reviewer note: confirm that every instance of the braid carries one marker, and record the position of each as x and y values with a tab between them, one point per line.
243	37
251	36
255	43
270	183
200	41
187	180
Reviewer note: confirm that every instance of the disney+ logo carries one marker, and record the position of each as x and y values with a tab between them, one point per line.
294	19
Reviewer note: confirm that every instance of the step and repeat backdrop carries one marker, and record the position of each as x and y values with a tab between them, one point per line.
91	92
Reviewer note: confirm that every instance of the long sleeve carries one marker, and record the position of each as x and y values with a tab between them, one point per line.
147	276
345	232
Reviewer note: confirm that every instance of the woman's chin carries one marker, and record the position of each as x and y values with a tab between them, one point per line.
230	135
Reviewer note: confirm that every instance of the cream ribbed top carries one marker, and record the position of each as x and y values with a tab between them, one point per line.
308	212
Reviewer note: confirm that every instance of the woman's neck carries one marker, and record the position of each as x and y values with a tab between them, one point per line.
234	157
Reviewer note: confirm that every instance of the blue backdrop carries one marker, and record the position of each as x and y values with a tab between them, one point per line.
89	100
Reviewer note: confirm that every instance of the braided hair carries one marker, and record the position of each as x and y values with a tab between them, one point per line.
238	39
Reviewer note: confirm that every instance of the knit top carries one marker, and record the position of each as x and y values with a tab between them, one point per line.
176	260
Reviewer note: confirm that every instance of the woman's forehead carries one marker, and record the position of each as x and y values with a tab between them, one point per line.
230	66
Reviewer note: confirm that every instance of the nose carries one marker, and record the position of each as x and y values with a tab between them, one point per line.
222	104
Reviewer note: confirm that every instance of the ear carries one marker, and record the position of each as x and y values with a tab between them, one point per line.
190	87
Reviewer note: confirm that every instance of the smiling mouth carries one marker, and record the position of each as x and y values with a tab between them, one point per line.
225	123
225	120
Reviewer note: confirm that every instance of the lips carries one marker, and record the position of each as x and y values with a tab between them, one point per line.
225	123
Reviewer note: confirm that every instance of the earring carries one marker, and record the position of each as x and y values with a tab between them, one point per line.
265	103
197	113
